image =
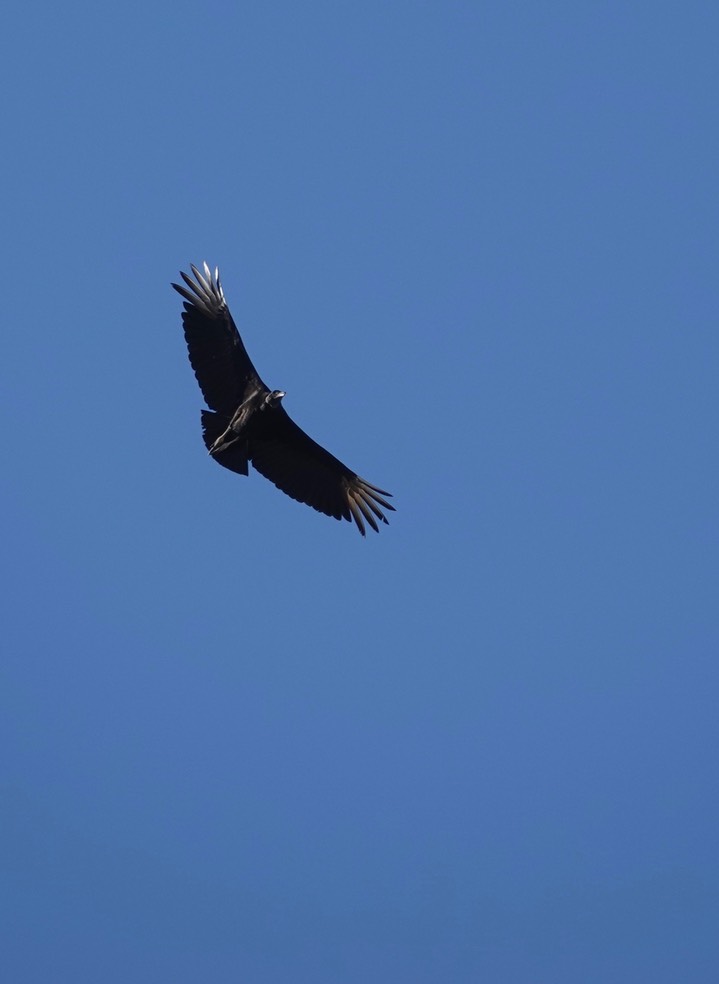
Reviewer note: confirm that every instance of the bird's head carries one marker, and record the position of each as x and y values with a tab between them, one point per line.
274	398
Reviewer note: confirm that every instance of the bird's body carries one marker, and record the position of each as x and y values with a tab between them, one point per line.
246	421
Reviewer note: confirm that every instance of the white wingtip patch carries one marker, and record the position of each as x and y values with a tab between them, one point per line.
213	280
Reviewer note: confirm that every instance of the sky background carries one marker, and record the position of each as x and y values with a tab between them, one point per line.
476	243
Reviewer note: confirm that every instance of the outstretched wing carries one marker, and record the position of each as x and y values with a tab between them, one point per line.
220	361
283	453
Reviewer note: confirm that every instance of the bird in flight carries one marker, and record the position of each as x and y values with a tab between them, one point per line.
247	422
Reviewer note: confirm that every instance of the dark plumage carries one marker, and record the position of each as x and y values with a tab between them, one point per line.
247	422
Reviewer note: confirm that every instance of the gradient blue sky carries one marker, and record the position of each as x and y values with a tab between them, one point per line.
477	245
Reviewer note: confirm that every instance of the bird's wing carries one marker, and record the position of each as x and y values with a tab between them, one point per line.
220	361
283	453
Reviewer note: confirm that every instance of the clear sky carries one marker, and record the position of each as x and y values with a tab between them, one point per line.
476	243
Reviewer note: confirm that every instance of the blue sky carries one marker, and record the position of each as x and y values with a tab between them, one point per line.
476	244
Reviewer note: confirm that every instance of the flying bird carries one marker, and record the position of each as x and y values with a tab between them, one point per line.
247	422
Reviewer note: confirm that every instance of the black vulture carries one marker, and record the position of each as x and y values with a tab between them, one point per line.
247	422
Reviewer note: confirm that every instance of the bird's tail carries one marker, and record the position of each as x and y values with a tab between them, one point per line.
233	457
